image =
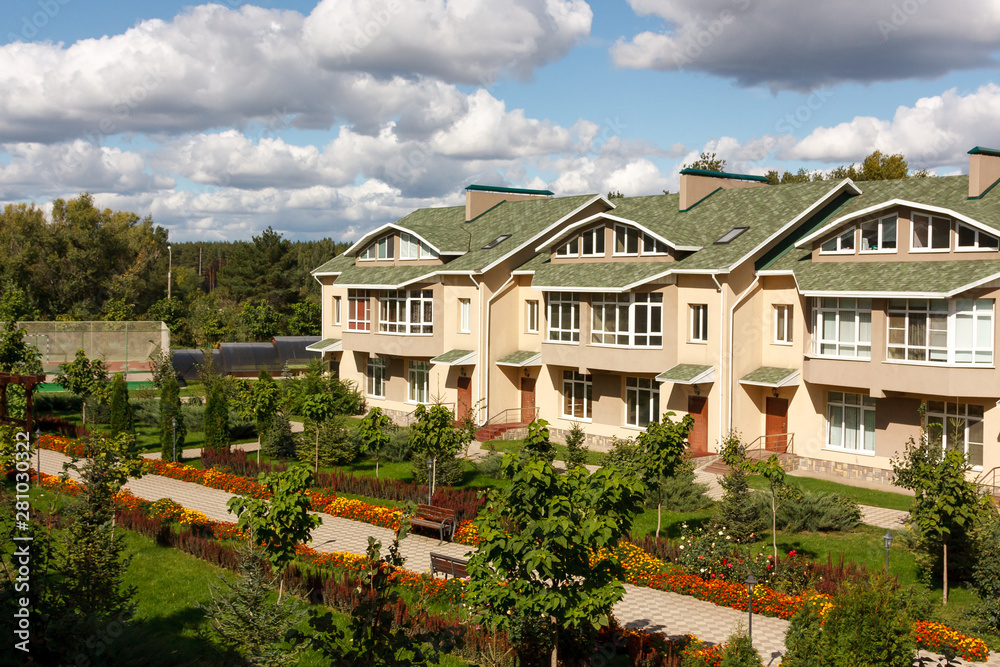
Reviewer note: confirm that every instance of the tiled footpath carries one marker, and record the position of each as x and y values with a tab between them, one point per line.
641	607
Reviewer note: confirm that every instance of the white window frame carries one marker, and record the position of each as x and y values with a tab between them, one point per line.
627	233
409	246
783	323
945	414
839	244
369	254
376	372
698	323
569	249
577	396
882	237
639	391
560	306
969	318
531	316
653	246
354	299
427	252
596	237
464	316
336	311
978	236
418	375
840	309
621	328
406	312
856	438
933	221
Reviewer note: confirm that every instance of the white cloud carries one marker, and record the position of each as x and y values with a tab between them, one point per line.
936	131
464	41
789	44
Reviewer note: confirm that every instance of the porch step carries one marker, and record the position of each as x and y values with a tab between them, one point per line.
787	460
494	431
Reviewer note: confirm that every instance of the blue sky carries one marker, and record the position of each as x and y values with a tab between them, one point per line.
329	118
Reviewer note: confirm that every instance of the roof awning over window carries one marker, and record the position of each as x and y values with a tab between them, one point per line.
325	345
769	376
456	358
521	358
688	374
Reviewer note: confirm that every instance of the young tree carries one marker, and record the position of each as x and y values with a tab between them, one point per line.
280	522
546	541
664	444
772	471
83	377
260	320
576	451
261	400
319	409
122	419
374	434
945	504
172	428
737	510
434	436
537	444
234	602
217	418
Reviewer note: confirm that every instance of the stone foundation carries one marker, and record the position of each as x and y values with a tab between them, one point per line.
848	470
597	443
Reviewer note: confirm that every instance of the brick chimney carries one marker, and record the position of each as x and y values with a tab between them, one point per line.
696	184
481	198
984	170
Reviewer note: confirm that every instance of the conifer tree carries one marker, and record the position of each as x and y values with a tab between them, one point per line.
122	418
217	418
170	409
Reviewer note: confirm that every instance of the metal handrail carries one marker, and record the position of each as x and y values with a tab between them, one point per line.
506	414
778	443
408	418
989	482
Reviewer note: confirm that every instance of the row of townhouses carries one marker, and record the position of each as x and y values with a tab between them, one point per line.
815	318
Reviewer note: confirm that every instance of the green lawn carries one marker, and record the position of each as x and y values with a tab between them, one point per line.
593	458
888	499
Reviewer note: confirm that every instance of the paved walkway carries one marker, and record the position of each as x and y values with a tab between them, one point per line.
641	607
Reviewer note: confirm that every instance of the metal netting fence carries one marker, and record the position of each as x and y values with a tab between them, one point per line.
122	346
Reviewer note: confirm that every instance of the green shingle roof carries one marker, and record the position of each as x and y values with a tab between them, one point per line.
683	373
323	344
389	276
520	358
452	356
335	265
932	278
614	276
769	376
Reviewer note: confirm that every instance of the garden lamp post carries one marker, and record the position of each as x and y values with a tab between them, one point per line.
170	267
751	583
430	472
887	538
173	424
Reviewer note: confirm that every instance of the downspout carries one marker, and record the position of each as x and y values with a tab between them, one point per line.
732	315
489	304
479	346
722	318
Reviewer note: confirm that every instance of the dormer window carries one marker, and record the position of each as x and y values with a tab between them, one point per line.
970	238
593	242
569	249
879	235
840	244
930	233
626	240
381	249
410	247
652	246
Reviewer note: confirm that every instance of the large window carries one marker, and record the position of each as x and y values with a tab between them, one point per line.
376	377
970	238
879	235
578	390
956	426
381	249
850	420
593	242
564	317
627	319
406	312
642	401
410	247
358	310
699	323
930	232
840	244
569	249
419	377
958	331
843	328
627	241
783	323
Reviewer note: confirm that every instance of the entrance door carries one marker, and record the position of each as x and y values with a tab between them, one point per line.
464	397
527	400
698	437
776	424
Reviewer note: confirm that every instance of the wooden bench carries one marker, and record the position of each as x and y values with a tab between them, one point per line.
447	565
441	518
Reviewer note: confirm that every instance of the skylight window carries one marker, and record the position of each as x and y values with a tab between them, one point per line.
730	235
497	241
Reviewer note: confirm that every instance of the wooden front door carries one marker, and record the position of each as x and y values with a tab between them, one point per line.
776	424
527	399
464	397
698	437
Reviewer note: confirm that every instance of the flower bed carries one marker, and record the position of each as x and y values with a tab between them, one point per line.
940	638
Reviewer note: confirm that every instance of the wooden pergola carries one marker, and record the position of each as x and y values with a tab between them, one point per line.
30	383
